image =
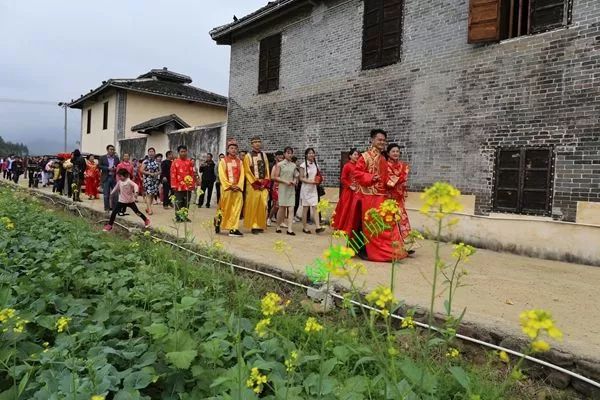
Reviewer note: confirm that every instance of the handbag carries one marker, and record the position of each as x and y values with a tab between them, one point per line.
320	190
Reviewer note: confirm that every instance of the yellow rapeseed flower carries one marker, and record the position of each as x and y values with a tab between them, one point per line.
339	235
463	251
324	207
452	353
337	258
62	324
262	327
440	200
271	304
20	325
8	224
291	362
408	322
540	346
503	357
256	381
97	397
217	245
6	314
281	246
382	297
536	322
312	325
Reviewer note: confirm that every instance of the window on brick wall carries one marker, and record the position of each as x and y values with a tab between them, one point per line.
382	33
524	180
494	20
89	120
105	116
268	63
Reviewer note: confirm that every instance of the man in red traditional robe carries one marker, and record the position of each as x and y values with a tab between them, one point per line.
382	243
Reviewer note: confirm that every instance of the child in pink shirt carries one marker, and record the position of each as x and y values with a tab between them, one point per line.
128	191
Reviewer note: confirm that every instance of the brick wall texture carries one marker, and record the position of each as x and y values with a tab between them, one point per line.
448	103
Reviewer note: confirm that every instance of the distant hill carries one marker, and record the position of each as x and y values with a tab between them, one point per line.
7	148
44	146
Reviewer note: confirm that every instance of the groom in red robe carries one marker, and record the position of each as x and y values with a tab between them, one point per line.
371	174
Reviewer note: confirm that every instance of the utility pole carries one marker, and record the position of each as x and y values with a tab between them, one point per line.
65	106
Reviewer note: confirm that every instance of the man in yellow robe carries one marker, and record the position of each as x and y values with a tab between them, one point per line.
231	176
256	168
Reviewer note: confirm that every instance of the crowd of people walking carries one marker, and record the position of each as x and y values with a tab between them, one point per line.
247	188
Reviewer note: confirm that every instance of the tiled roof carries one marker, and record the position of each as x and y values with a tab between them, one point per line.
222	34
159	82
155	123
165	74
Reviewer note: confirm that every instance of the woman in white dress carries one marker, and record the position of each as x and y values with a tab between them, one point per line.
310	176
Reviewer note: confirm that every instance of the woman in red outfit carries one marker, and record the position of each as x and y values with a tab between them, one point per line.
91	177
343	217
397	180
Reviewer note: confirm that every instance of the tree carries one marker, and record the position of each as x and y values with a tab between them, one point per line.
7	148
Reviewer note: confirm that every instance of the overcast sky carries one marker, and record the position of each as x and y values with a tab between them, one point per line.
57	50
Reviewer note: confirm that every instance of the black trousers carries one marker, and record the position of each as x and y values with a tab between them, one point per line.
207	188
218	192
15	176
122	207
166	194
182	200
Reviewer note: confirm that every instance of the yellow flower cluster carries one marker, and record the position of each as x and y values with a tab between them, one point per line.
382	297
218	245
462	251
337	258
62	324
262	326
324	207
97	397
408	322
256	381
6	314
452	353
339	235
8	224
9	315
535	323
199	192
183	213
441	199
281	246
271	304
312	325
188	180
503	357
291	362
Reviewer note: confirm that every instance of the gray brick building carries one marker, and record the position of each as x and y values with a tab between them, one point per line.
499	97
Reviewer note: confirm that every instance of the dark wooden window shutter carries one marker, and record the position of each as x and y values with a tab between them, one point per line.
89	120
105	116
382	33
547	14
268	63
484	20
523	180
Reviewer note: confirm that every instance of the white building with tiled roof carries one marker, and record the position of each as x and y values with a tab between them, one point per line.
135	114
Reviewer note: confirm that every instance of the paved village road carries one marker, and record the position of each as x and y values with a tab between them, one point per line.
500	285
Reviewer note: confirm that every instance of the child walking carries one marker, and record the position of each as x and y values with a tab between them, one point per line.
128	191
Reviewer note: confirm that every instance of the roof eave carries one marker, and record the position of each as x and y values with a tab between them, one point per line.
79	102
223	36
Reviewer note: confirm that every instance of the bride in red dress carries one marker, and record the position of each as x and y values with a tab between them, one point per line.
343	217
397	180
91	178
